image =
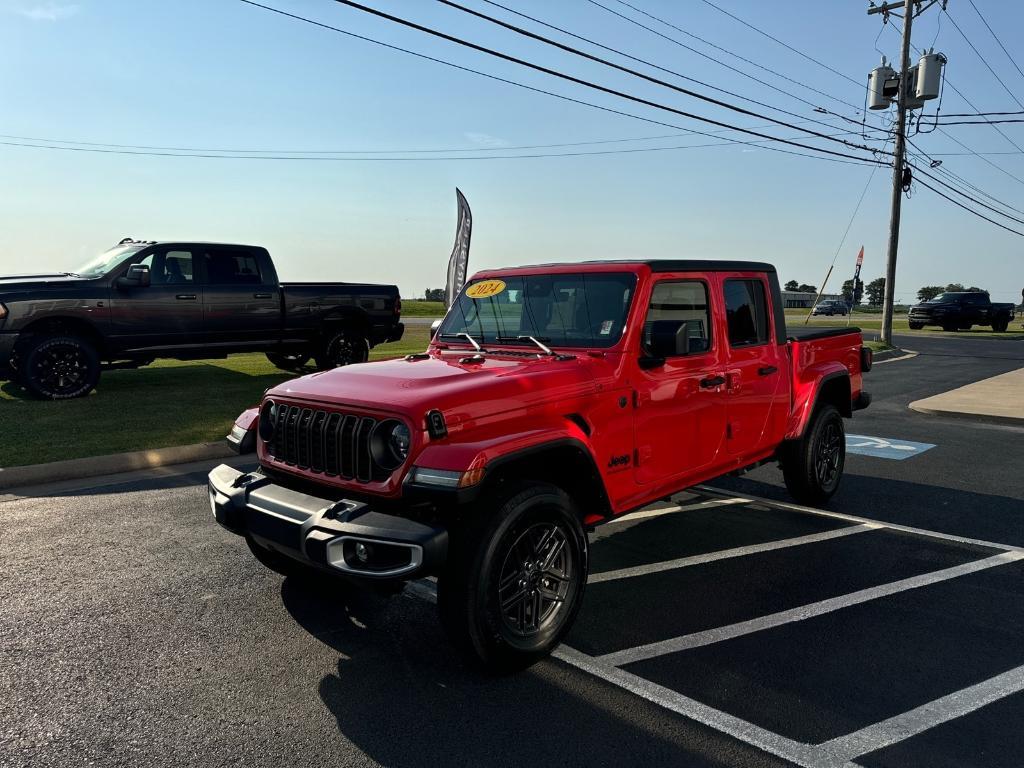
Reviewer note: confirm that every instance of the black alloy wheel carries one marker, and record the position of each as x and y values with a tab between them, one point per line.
828	455
60	368
535	578
343	348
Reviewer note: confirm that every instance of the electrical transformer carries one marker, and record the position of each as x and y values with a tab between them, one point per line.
877	98
929	75
912	100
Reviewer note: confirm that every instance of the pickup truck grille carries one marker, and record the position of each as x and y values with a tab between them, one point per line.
319	441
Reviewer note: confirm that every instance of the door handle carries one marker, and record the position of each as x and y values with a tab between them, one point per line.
186	297
262	296
712	381
767	370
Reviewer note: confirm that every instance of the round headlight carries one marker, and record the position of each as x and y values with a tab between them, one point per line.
267	420
389	444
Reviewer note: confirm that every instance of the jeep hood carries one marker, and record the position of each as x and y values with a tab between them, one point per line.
461	390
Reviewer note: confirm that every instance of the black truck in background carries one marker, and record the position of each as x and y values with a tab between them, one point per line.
959	310
143	300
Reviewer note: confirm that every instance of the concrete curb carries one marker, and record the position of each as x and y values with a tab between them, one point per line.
93	466
987	418
889	354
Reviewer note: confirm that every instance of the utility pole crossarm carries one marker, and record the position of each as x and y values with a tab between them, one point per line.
886	7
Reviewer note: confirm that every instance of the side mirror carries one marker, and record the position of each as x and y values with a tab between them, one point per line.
136	277
665	338
434	327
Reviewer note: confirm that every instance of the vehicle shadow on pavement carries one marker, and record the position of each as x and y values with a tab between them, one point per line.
947	510
402	696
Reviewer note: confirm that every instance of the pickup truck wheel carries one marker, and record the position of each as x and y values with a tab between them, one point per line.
343	348
813	466
59	367
950	327
286	362
514	579
916	326
1000	325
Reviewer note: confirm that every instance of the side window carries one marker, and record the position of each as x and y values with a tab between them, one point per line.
746	310
169	267
231	267
682	301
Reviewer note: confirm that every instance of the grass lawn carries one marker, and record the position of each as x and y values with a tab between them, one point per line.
167	403
421	308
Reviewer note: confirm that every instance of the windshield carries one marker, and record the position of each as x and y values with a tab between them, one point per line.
942	298
575	310
106	261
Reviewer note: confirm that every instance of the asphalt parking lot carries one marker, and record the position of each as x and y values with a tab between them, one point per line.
724	627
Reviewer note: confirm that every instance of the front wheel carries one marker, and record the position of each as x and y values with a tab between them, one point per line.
1000	325
813	465
288	362
59	367
916	326
515	578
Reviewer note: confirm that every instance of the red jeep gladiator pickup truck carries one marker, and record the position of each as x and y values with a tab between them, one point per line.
551	399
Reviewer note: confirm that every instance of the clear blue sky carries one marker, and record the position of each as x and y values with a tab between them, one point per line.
219	74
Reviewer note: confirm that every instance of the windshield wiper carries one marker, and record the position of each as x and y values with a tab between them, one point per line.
467	337
535	339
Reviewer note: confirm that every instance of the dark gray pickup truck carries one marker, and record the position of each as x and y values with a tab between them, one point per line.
143	300
959	310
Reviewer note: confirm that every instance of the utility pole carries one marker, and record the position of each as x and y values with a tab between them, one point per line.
899	151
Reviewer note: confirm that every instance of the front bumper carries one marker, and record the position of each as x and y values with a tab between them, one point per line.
343	537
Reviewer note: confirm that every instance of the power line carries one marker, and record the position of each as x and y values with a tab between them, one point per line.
720	48
976	122
594	86
120	149
591	57
531	88
994	37
782	43
940	168
983	59
664	69
963	194
974	114
969	210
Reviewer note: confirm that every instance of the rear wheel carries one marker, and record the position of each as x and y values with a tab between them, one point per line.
1000	325
343	347
59	367
288	362
514	579
950	327
813	465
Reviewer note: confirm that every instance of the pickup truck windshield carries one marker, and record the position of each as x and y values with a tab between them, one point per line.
572	310
106	261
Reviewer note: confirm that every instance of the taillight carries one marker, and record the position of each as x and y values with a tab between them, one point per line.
398	306
867	358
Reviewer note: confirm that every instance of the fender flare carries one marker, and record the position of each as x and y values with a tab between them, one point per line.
807	399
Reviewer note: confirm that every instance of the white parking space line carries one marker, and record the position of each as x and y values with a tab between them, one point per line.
857	519
748	733
658	511
725	554
907	724
897	359
717	635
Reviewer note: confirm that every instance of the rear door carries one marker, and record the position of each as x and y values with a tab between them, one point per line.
680	405
166	314
757	394
243	302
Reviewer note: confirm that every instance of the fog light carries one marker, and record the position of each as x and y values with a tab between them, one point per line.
363	552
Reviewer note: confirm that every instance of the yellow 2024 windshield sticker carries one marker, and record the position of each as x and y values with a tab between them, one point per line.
485	289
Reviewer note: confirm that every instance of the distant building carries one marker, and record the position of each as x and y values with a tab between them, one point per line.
804	299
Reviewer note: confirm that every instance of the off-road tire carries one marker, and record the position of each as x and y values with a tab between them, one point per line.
502	553
343	347
950	327
58	367
916	326
288	362
813	465
1000	325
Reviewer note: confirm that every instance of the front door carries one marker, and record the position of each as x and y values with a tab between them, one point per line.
167	313
680	404
243	305
755	370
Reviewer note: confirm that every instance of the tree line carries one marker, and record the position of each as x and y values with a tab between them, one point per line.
875	290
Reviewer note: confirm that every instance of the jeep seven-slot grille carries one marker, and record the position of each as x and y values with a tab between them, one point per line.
320	441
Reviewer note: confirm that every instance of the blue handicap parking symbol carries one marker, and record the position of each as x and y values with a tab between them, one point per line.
884	447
